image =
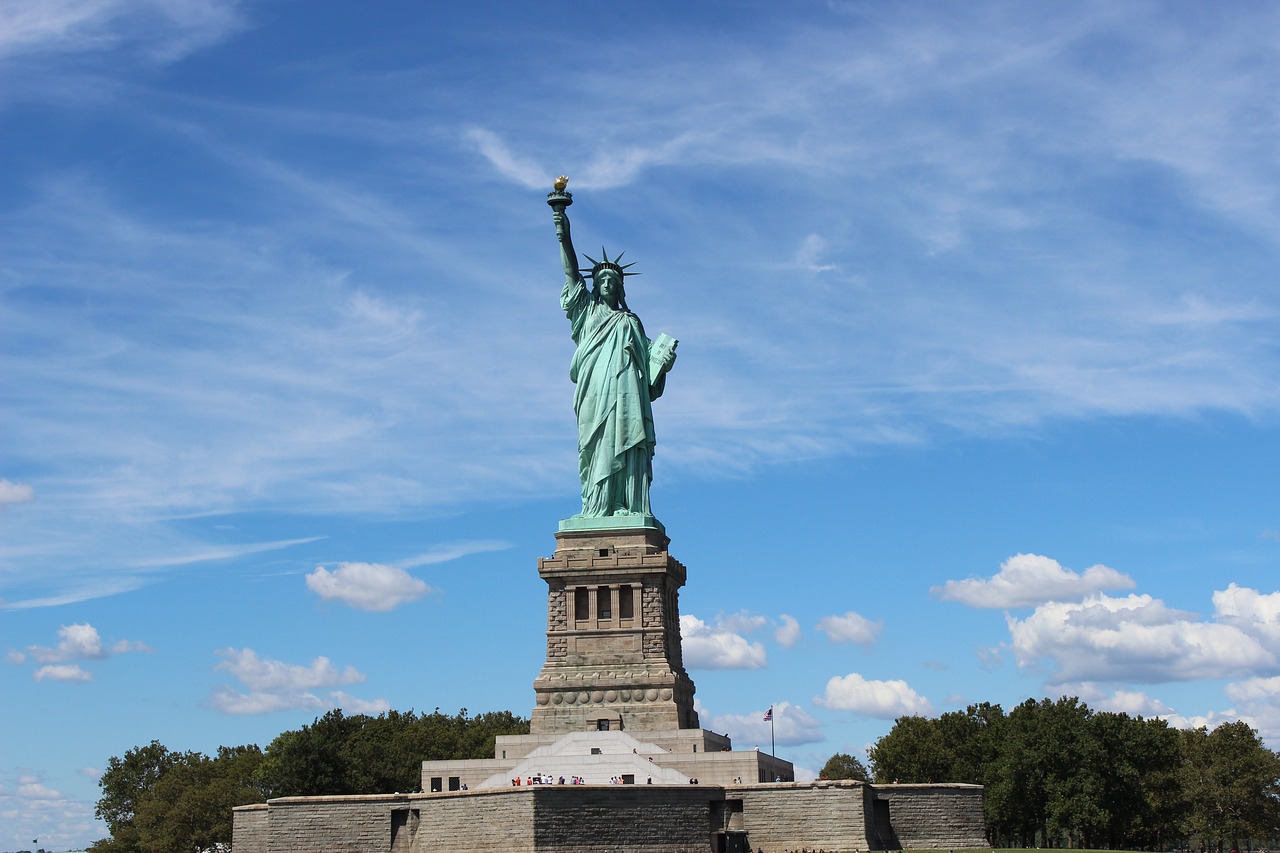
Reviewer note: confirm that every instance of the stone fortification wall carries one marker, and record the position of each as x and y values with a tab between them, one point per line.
932	816
635	818
814	815
497	820
250	825
354	824
582	818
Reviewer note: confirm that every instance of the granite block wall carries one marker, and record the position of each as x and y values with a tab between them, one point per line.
792	816
933	816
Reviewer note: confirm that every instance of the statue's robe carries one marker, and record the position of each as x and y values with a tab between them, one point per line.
612	398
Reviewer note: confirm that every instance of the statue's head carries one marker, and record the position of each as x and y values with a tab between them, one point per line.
608	276
609	286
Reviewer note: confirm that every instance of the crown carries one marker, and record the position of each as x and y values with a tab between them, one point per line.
607	264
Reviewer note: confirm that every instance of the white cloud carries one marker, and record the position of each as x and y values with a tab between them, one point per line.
230	701
355	705
1136	638
1132	702
367	586
742	622
717	647
1025	580
278	686
79	642
167	30
1255	690
850	628
32	808
809	254
1258	701
69	672
791	726
32	790
259	674
519	169
788	635
222	552
1253	612
453	551
884	700
15	493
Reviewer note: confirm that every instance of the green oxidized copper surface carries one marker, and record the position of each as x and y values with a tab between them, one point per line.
617	373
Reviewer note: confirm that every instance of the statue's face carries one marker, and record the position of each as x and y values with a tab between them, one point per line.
609	286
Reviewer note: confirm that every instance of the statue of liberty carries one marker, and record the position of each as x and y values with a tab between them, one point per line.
617	373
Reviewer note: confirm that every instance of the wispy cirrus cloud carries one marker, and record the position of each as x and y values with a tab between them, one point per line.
162	31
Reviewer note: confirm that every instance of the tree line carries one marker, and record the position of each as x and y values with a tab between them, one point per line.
1059	774
155	800
1055	774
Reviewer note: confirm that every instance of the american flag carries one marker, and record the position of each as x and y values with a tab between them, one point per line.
768	715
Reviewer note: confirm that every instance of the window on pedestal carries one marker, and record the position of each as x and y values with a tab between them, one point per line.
604	604
626	603
581	604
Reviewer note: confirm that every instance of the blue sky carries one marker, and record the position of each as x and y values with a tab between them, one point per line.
977	397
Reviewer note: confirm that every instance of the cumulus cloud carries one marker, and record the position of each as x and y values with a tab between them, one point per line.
791	726
718	647
77	642
1257	701
850	628
259	674
1253	612
1025	580
70	672
1136	638
885	700
30	789
15	493
278	686
367	586
788	634
1132	702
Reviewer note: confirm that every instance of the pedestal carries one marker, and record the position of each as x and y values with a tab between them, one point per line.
613	635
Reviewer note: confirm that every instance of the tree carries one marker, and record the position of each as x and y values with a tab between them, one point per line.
1232	782
842	765
360	754
189	809
912	751
125	784
158	801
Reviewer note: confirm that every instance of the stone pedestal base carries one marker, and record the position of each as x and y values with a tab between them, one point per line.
613	635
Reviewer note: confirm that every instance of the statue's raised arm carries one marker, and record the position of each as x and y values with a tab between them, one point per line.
559	199
618	373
